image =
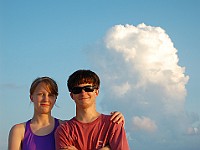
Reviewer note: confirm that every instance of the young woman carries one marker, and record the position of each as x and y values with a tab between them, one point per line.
38	132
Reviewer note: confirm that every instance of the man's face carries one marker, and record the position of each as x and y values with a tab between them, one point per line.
84	95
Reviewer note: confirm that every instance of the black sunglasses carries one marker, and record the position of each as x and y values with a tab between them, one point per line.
88	88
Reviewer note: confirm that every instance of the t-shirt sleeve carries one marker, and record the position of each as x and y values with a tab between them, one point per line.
62	137
118	140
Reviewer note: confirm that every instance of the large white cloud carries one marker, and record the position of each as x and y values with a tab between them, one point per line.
140	74
151	53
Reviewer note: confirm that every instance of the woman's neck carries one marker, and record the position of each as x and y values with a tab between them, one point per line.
42	119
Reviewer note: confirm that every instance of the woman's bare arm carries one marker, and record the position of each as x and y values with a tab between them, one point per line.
16	135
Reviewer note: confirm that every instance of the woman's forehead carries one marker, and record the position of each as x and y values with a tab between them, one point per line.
43	86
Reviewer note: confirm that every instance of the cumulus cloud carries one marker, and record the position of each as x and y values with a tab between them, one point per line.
120	90
140	74
144	123
151	53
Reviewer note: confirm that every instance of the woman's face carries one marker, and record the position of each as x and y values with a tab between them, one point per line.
42	99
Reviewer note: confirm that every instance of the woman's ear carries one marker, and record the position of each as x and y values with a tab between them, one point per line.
31	98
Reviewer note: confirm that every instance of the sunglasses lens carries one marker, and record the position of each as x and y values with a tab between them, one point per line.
88	89
77	90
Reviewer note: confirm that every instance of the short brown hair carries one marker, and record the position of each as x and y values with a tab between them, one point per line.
81	77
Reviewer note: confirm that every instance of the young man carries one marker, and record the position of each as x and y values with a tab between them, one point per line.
89	129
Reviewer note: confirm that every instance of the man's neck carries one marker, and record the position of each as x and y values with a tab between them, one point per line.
87	115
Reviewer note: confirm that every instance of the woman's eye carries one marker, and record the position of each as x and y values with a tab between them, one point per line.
51	95
43	94
40	94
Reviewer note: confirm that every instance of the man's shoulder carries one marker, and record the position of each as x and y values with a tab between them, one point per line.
106	117
66	125
107	120
70	121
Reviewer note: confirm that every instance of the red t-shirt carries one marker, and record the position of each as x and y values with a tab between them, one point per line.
91	136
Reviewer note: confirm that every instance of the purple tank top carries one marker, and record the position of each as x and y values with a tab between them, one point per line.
35	142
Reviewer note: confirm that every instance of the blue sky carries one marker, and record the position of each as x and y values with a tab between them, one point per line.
114	39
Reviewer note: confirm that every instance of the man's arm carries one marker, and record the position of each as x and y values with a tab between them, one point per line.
105	148
63	139
118	139
70	148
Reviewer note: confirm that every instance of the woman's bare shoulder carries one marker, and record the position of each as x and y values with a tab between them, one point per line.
18	128
17	131
16	136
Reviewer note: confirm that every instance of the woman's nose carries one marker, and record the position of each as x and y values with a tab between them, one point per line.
45	97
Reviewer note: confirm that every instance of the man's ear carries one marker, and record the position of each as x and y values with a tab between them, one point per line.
71	95
97	92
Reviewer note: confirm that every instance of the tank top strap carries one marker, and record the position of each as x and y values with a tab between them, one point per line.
56	123
27	127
